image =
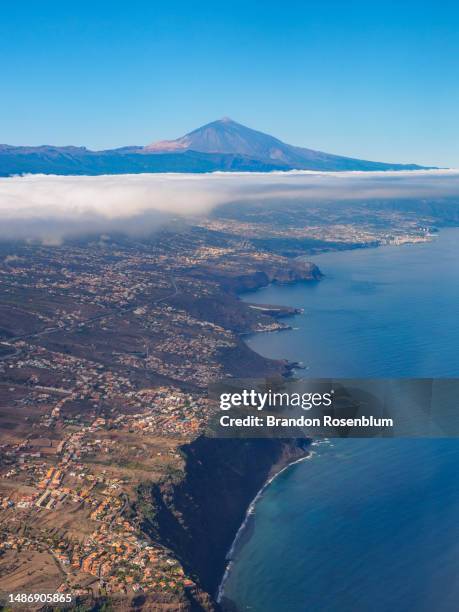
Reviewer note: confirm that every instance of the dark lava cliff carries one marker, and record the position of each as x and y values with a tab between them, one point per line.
198	515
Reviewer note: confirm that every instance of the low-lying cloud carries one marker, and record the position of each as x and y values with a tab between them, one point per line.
50	208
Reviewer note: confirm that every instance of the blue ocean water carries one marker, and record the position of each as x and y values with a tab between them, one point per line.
364	524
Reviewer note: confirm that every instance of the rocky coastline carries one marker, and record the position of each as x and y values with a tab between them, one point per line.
198	515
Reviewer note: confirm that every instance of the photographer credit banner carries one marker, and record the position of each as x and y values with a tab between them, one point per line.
327	407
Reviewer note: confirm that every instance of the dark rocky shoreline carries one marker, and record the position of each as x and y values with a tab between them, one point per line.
199	515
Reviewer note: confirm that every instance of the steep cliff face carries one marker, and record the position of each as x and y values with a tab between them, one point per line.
198	516
226	309
295	271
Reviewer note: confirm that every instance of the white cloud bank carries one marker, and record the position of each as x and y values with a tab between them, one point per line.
49	208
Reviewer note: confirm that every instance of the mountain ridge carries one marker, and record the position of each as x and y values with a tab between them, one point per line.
219	145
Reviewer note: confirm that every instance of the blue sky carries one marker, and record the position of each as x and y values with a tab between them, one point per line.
376	80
